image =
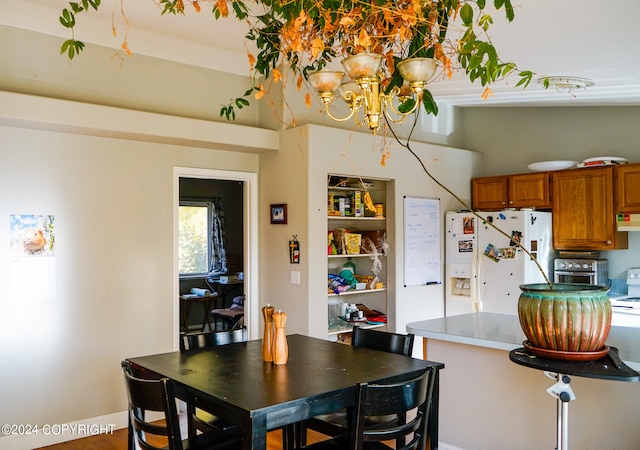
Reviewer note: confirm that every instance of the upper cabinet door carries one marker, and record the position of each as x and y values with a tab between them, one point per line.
628	188
489	193
530	190
583	210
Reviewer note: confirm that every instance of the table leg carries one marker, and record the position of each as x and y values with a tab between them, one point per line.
254	434
185	315
206	304
564	394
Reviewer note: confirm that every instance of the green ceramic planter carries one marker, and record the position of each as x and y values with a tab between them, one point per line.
567	318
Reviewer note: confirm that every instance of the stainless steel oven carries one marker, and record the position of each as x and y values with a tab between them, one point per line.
584	271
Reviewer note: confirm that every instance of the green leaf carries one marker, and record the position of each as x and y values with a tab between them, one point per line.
67	19
407	106
466	14
430	105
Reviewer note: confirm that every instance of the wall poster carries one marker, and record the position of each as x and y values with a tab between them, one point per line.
32	249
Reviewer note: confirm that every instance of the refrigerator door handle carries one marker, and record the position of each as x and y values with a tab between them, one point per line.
475	278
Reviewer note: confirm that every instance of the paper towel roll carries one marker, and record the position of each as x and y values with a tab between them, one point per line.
201	292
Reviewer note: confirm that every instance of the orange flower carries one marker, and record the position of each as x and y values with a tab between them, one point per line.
125	48
252	59
307	100
260	92
196	5
299	83
487	93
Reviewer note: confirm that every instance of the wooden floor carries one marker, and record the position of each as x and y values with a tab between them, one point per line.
118	441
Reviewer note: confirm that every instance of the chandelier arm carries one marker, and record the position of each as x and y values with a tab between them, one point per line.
388	106
337	119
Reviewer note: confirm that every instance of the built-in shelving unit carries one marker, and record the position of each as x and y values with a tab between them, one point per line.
370	226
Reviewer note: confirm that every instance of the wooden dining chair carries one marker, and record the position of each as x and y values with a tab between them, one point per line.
337	423
410	400
199	419
147	395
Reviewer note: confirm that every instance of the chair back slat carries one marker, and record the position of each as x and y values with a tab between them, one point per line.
401	344
195	341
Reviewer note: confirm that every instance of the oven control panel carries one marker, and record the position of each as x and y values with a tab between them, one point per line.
580	265
633	276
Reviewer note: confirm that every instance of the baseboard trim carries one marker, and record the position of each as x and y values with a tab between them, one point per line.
50	434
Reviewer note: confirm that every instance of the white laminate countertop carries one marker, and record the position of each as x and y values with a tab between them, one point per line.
503	332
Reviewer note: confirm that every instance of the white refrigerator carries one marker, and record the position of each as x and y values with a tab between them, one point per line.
484	268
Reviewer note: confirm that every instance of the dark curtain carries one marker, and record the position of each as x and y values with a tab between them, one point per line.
218	263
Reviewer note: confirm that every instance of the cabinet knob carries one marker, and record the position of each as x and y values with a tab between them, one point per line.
609	242
511	202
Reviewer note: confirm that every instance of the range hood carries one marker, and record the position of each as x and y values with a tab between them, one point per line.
628	222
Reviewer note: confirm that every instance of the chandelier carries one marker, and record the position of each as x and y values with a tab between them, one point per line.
361	89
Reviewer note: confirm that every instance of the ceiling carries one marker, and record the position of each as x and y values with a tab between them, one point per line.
581	38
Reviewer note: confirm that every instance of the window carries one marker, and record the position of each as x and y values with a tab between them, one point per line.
195	247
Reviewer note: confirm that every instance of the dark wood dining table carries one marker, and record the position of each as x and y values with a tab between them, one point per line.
234	382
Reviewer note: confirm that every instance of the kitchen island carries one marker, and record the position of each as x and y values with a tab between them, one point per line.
489	402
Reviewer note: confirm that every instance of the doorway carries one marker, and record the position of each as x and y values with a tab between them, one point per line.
243	249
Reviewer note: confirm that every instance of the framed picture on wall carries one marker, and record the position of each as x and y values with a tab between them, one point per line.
279	213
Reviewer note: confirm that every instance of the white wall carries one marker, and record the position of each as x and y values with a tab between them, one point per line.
113	205
297	175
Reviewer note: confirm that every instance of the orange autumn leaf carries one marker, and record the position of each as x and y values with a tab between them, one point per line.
222	7
346	22
364	39
252	60
125	48
487	93
317	46
260	92
277	76
307	100
180	6
196	5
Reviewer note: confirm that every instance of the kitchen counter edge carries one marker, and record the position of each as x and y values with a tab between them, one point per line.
503	332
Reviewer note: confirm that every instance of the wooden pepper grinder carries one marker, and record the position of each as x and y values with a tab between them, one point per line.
267	339
280	347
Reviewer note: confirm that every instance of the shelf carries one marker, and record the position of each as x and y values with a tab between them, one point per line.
353	292
356	218
348	326
355	255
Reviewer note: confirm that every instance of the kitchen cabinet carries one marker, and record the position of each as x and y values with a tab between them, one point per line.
628	188
343	193
511	191
583	210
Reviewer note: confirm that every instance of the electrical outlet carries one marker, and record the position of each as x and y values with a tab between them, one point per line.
295	277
